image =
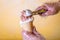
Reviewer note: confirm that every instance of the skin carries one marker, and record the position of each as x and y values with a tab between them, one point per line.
34	35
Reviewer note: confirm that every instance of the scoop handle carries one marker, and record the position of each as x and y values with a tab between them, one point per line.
38	11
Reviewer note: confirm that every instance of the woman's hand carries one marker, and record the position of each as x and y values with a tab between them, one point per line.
32	36
52	8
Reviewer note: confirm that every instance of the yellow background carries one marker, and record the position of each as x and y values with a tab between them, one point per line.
10	29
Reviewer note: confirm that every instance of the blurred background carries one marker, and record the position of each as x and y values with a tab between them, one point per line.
10	29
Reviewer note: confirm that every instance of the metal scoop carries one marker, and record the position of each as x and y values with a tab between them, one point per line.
39	12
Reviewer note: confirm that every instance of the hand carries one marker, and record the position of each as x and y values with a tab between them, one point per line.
52	8
32	36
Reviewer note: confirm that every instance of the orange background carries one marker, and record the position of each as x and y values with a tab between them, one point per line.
49	27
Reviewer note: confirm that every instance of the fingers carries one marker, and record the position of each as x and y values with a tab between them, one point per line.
51	9
42	7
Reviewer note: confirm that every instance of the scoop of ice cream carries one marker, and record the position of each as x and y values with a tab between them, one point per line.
28	12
